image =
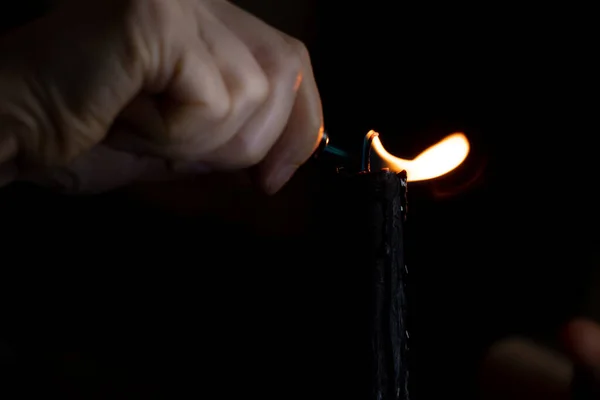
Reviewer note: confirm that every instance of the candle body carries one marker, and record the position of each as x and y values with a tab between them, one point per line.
369	225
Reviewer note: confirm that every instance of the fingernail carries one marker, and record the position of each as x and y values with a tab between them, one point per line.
279	177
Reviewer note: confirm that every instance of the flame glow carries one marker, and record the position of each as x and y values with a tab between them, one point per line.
436	161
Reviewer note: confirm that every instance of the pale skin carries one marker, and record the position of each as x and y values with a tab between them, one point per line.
118	90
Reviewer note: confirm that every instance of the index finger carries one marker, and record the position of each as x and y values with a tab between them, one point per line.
304	128
301	136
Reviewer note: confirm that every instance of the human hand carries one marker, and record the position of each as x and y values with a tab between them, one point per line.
519	368
582	341
105	92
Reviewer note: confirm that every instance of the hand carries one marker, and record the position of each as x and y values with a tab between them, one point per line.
519	368
582	340
104	92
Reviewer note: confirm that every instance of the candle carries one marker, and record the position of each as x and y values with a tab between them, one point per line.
368	241
381	195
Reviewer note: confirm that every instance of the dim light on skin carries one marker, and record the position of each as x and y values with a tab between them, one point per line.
437	160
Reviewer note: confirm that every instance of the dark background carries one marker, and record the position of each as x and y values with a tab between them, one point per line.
210	285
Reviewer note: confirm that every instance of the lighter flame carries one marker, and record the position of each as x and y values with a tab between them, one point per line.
436	161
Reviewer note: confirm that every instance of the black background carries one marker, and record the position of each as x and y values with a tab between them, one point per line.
503	245
119	294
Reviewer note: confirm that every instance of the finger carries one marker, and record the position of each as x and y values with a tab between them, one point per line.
582	341
123	140
284	61
100	170
248	84
184	117
301	136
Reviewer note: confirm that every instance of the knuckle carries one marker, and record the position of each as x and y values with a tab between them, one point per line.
255	88
149	25
292	63
218	107
250	153
300	49
285	56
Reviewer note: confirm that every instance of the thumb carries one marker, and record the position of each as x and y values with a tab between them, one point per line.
100	170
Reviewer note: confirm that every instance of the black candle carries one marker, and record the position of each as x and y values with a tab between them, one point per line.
366	215
367	239
383	196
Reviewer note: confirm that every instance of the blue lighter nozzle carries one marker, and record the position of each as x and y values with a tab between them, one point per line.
325	147
336	151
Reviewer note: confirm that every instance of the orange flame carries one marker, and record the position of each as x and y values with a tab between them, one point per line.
436	161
